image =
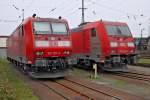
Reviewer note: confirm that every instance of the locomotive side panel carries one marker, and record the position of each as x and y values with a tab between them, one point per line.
22	44
77	42
104	41
86	41
29	44
95	45
109	44
14	44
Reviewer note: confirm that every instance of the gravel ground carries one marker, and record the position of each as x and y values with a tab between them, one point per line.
144	70
118	83
127	85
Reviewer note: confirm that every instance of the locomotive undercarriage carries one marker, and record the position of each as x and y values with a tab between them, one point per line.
115	63
44	67
49	68
112	63
119	62
49	65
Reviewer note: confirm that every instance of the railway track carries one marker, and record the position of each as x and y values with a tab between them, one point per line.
133	75
104	89
70	90
74	88
142	65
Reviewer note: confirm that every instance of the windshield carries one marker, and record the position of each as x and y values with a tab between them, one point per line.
42	28
118	30
59	28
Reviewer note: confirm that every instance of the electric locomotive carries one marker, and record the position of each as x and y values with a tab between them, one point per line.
41	47
110	45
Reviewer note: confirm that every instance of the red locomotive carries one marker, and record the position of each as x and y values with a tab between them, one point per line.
108	44
40	47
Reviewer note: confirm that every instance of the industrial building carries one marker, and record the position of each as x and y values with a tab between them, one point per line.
3	47
143	45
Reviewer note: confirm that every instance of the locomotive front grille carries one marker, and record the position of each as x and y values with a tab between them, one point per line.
56	64
41	62
116	59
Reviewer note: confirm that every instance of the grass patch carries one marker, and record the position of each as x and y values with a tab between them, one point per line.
92	77
85	73
120	83
77	71
11	86
144	61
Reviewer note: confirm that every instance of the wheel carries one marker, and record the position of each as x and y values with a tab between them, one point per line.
24	69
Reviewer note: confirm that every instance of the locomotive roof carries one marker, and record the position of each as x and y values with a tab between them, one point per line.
41	19
114	23
93	24
44	19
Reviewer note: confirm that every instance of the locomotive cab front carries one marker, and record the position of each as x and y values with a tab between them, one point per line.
51	47
122	47
108	44
51	39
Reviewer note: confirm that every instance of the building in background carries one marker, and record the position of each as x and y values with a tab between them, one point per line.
149	38
3	47
143	45
149	31
149	44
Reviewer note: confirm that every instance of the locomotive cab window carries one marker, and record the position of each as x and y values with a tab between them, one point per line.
118	30
93	32
42	28
59	28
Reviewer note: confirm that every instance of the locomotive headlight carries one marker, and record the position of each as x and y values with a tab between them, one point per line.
39	43
113	44
39	53
66	52
130	44
64	43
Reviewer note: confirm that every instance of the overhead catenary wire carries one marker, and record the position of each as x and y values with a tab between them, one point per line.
30	5
117	10
8	21
126	14
69	11
61	10
58	6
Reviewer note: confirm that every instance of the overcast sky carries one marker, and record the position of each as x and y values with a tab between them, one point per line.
132	12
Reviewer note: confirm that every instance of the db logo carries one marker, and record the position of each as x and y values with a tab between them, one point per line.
121	39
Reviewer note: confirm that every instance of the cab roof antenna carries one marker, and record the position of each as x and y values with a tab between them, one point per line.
34	15
59	17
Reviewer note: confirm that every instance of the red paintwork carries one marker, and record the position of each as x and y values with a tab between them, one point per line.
25	46
123	48
81	40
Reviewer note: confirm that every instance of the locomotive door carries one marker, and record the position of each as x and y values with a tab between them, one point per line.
21	38
95	46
